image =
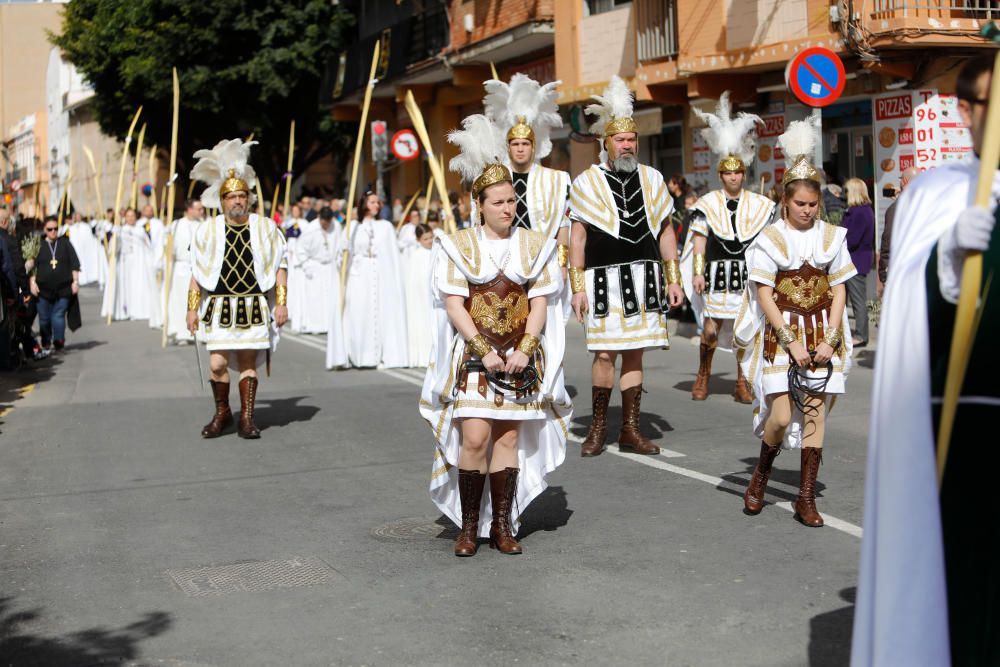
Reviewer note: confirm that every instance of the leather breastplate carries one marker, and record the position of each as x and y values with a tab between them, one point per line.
804	291
499	309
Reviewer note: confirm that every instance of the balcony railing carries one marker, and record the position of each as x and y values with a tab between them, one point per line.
655	29
973	9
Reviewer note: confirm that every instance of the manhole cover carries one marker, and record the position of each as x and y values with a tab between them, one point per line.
416	529
255	575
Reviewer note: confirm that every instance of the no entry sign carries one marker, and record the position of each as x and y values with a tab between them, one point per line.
404	145
816	76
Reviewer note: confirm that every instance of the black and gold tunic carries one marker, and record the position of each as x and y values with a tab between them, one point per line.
237	289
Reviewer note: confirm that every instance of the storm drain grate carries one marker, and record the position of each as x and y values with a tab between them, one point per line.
415	529
255	575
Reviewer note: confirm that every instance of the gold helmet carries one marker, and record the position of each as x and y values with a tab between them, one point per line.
798	143
614	113
524	109
481	147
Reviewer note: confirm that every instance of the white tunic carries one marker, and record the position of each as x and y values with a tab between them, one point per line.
181	231
374	324
783	248
544	415
407	236
316	260
133	289
419	302
156	231
93	261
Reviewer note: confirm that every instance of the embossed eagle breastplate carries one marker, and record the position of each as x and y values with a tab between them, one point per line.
804	291
499	309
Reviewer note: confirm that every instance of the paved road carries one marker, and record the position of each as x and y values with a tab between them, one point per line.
126	538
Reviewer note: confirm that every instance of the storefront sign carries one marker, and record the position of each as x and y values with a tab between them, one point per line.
769	156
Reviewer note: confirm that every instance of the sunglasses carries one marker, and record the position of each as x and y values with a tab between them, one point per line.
51	229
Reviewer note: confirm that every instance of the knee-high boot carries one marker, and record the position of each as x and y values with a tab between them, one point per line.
593	444
753	499
503	488
631	439
223	417
248	396
699	392
470	491
741	394
805	504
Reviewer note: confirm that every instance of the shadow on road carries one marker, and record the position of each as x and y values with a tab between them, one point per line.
785	471
282	412
865	358
94	646
830	634
86	345
14	384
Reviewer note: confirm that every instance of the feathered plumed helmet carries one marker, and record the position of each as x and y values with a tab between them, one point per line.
728	137
798	144
524	109
614	113
225	168
482	150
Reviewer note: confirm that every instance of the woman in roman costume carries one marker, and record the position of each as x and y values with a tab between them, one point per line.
792	334
495	290
374	322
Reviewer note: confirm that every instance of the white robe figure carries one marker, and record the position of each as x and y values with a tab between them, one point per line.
156	231
458	260
316	258
374	326
419	303
902	606
133	289
182	231
93	261
407	236
781	247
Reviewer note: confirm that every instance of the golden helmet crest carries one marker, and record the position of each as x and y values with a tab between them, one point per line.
802	170
233	184
521	130
731	163
493	173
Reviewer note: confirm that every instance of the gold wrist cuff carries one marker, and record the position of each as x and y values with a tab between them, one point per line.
832	337
672	270
194	299
577	280
479	346
528	344
699	264
281	295
786	336
562	252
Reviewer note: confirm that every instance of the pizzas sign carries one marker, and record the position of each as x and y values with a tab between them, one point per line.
898	106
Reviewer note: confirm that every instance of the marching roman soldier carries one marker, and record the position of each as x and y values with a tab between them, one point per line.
724	223
236	260
527	112
619	257
495	373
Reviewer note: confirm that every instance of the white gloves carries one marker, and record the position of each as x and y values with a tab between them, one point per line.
973	229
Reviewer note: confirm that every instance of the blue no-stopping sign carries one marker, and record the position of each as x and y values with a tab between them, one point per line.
816	76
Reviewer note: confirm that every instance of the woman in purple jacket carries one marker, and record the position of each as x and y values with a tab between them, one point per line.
859	221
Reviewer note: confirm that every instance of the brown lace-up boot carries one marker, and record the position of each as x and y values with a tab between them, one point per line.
699	392
753	499
470	491
630	439
223	417
248	395
593	444
741	394
503	488
805	504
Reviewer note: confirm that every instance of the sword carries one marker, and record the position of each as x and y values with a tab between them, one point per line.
197	359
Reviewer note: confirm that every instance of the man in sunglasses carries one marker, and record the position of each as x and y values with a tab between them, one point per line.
55	283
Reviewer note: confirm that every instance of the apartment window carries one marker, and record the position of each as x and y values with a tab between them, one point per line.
591	7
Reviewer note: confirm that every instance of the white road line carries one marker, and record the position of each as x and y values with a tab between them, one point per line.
667	453
408	375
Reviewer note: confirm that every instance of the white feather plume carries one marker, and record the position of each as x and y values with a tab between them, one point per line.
616	102
726	135
799	139
214	164
524	97
480	143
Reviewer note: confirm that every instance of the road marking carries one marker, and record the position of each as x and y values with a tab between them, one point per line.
21	393
666	453
302	340
407	375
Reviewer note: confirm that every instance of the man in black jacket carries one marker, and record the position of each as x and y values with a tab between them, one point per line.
55	283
